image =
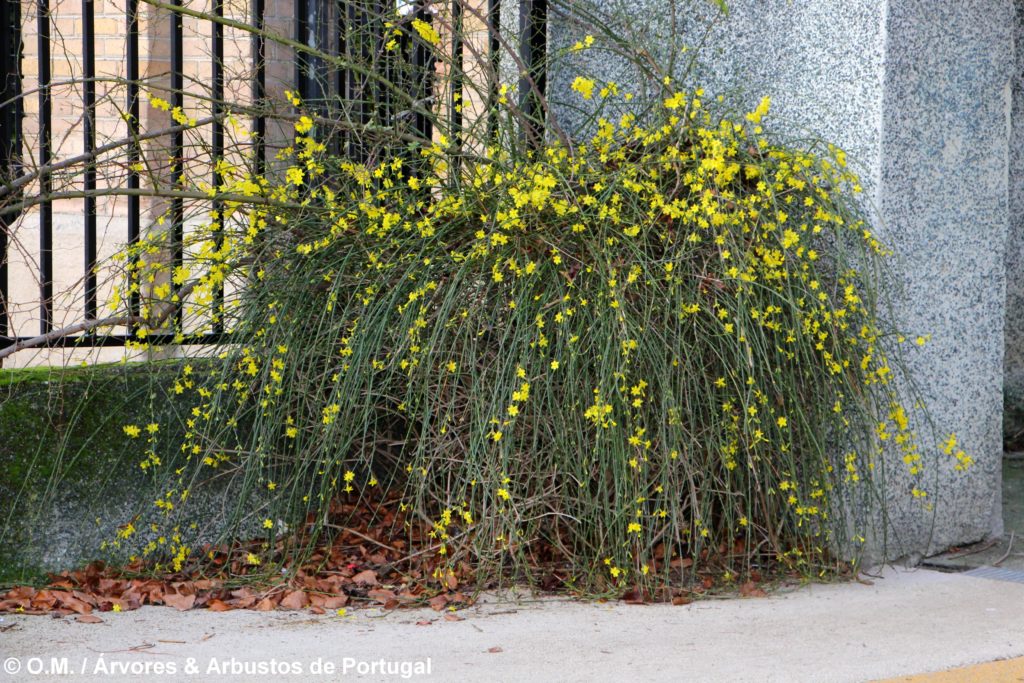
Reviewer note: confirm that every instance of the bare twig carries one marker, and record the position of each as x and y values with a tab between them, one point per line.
1009	547
87	325
89	157
159	193
977	549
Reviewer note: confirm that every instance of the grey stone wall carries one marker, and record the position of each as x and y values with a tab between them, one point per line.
1013	427
918	93
944	200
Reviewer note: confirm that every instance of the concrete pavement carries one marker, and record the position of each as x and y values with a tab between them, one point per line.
906	622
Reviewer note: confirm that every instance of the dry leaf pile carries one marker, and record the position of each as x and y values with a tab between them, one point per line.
363	565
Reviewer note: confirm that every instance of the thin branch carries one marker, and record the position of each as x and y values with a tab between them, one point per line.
88	325
54	335
144	192
88	157
1009	548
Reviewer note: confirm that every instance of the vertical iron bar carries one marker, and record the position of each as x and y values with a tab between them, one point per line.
4	331
177	144
378	63
134	155
89	144
455	104
10	135
404	81
218	151
340	74
319	39
45	182
356	95
259	85
494	55
301	7
313	30
392	69
423	67
533	40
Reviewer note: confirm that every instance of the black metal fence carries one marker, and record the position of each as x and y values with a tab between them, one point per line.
324	26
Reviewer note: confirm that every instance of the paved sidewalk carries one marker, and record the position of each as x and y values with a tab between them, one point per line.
908	622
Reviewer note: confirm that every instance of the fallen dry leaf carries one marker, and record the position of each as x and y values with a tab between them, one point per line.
634	597
367	577
216	605
180	602
751	590
294	600
266	605
88	619
76	605
328	601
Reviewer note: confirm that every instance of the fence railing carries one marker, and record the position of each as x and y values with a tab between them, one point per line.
336	27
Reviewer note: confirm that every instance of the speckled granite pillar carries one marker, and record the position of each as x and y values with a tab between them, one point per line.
943	196
1013	415
918	93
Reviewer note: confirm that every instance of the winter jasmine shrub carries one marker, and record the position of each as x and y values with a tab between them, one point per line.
616	360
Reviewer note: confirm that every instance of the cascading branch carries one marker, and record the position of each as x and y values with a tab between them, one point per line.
656	349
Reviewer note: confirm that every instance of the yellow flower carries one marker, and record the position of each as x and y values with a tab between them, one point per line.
268	524
426	31
330	412
303	125
132	431
583	44
554	365
633	528
676	101
762	109
294	175
584	86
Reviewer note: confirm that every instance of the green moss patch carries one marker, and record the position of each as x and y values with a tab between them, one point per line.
68	471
